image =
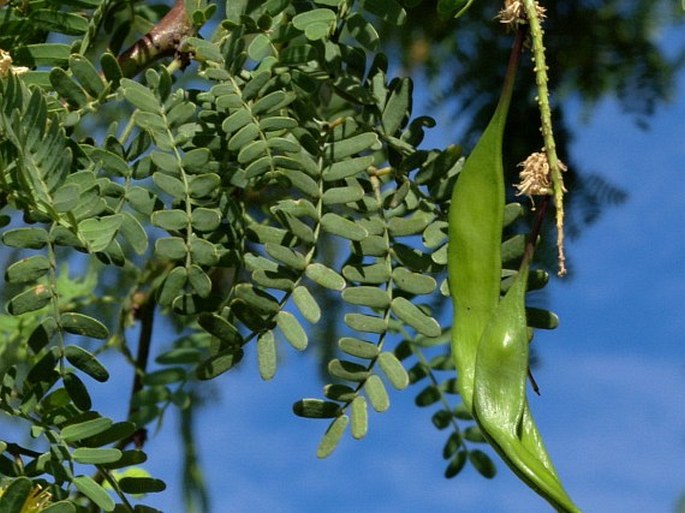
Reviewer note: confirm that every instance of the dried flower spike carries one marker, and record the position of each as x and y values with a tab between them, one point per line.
513	13
6	65
535	176
536	180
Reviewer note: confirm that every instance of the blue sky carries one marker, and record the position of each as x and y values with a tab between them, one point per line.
612	376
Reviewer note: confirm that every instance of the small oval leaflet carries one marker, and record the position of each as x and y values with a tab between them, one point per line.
44	368
27	270
204	185
316	409
541	319
87	75
172	286
219	363
261	301
474	434
206	219
76	432
286	255
30	300
482	463
133	232
347	147
412	315
377	394
347	168
414	224
414	283
129	458
86	362
332	436
80	324
29	238
375	273
301	21
280	279
325	276
339	392
199	281
170	220
359	348
427	396
366	323
292	330
394	370
360	417
140	485
114	433
372	297
266	355
77	391
306	304
140	96
456	464
88	487
98	233
90	456
441	419
347	370
220	328
339	195
453	444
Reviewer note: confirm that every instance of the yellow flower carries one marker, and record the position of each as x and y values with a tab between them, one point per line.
37	501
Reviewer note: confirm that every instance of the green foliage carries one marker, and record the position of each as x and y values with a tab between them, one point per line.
282	187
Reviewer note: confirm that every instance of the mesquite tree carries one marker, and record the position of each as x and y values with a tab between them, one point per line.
245	172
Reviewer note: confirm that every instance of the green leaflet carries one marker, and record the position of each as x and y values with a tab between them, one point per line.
500	405
474	252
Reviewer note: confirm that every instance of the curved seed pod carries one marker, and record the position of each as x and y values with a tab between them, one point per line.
475	232
500	405
489	337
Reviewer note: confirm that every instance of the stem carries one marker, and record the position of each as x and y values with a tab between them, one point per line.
535	232
528	253
546	125
162	41
510	76
146	313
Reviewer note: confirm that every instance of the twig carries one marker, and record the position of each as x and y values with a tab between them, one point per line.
162	41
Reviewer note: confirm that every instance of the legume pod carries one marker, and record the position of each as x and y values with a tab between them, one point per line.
475	234
489	336
500	405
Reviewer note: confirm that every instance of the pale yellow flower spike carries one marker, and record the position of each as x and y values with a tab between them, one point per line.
534	17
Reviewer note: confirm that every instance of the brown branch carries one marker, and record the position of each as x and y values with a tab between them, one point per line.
162	41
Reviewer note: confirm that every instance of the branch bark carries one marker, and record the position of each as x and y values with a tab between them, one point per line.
162	41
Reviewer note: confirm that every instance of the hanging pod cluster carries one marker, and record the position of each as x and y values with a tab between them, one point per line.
490	335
